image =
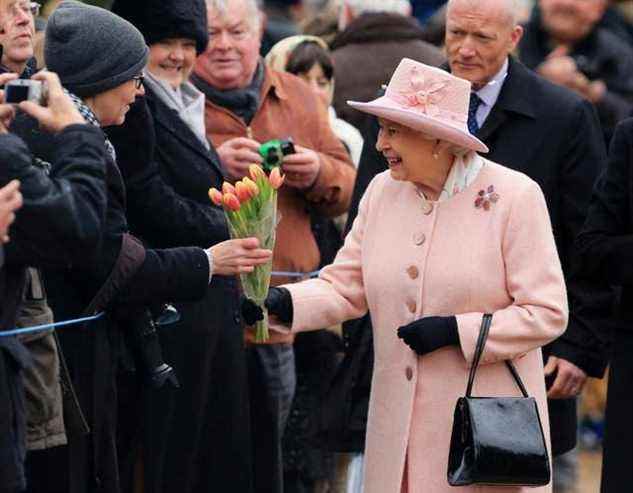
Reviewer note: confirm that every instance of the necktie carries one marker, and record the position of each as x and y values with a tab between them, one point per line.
473	106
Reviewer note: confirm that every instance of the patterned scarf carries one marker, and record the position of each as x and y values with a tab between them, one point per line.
91	118
243	102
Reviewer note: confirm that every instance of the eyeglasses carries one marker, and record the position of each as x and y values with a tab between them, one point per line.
138	81
24	8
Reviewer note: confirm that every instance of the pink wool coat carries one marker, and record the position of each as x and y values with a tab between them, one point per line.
402	262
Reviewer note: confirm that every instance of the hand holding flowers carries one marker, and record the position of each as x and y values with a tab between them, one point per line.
238	256
250	207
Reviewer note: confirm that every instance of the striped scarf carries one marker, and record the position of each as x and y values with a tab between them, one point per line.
91	118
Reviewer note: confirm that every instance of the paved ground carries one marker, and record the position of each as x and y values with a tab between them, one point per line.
589	478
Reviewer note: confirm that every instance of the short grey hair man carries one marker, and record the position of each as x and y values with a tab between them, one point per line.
254	7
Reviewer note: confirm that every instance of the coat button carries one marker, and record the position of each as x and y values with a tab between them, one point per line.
236	317
419	239
427	208
411	306
409	373
413	272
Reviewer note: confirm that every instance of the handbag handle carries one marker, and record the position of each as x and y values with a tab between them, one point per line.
479	349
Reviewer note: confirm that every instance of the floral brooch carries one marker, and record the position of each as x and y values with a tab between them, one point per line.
486	197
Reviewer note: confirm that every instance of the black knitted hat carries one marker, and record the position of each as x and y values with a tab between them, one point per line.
162	19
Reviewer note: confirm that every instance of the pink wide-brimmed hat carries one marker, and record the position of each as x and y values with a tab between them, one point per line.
427	99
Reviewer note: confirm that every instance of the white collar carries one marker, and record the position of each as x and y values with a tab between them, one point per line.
490	92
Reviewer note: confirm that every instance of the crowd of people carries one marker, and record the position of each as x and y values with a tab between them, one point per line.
451	159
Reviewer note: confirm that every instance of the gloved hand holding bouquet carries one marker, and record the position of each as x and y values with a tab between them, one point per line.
250	207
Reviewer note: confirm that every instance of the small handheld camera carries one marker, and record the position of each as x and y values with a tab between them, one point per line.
273	152
19	90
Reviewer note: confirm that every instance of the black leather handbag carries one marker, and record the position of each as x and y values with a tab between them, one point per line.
497	440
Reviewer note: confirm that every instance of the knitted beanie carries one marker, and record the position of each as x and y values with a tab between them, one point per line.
163	19
91	49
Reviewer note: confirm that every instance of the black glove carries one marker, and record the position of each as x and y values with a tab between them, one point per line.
428	334
278	302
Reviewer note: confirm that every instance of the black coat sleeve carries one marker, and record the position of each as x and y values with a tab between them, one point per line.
63	212
585	341
605	245
175	274
155	210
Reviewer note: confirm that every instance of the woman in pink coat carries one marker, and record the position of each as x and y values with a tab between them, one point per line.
441	238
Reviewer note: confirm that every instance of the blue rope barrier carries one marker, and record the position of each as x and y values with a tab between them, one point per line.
41	328
296	274
65	323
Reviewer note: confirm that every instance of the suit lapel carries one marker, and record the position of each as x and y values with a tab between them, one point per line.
514	99
495	119
171	122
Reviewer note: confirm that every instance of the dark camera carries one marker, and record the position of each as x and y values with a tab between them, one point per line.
273	152
145	344
19	90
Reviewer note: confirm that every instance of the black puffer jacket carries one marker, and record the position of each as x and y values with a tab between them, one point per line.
62	217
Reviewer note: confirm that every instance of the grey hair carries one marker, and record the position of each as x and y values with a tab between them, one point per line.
252	6
513	9
452	148
359	7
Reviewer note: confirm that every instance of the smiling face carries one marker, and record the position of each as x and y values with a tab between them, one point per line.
111	106
405	150
172	60
480	34
232	54
17	30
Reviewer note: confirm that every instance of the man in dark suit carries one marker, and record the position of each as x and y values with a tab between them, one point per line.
553	136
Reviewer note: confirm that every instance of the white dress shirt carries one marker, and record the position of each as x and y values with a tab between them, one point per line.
490	93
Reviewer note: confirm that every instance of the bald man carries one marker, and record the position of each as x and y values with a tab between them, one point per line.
552	135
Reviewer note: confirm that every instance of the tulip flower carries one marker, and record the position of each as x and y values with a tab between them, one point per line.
250	208
242	191
228	188
251	185
276	179
231	202
256	171
216	196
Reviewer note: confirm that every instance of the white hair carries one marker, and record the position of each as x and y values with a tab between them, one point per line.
513	9
359	7
253	7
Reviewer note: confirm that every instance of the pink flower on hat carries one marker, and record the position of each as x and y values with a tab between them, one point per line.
426	93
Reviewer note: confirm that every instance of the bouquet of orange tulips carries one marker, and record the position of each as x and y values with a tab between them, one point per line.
250	207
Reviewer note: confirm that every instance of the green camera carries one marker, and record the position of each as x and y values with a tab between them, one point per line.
273	152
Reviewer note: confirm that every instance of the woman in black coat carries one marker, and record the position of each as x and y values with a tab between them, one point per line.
196	438
121	277
605	253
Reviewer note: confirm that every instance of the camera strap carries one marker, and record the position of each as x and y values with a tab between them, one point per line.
131	257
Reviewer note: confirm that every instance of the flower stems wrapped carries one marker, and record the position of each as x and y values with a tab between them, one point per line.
250	207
